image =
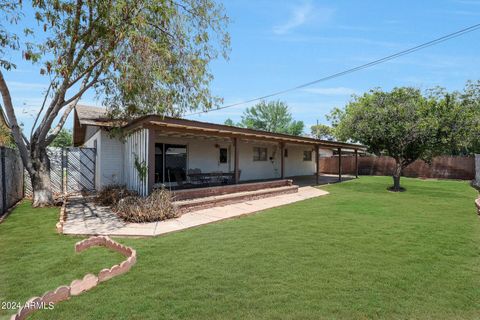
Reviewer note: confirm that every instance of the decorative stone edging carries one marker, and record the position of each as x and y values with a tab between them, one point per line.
88	282
63	216
477	204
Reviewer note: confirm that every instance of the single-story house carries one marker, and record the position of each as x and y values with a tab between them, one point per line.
174	151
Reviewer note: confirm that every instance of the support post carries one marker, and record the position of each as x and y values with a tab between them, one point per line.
151	159
356	163
339	164
317	159
236	175
282	160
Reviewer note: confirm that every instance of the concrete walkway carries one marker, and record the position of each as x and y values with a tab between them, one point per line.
84	217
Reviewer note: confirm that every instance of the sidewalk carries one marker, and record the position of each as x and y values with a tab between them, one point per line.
84	217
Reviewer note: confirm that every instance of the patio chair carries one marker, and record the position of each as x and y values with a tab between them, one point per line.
217	177
195	179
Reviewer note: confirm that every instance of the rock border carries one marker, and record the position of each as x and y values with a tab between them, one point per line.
89	281
62	217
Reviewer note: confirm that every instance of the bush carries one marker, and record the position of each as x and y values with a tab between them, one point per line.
130	207
110	195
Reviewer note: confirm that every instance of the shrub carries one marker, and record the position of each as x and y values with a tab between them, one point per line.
110	195
130	207
157	206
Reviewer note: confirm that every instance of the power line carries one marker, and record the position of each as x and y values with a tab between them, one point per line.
355	69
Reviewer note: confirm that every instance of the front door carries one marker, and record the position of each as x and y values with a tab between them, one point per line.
170	163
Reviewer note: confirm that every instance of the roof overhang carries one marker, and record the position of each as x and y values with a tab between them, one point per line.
204	128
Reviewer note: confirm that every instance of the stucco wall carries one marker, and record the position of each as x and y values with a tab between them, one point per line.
109	161
203	153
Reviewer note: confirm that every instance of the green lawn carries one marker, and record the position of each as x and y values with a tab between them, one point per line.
360	252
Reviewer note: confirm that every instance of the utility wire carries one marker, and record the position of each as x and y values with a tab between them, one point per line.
355	69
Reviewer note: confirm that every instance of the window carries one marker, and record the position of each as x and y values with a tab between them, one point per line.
259	154
285	153
307	155
223	152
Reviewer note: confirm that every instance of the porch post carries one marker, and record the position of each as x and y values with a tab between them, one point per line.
236	176
151	159
339	164
282	160
356	163
317	159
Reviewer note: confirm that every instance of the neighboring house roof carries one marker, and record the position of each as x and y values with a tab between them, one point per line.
97	117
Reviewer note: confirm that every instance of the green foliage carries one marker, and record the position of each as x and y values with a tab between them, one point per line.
141	167
407	125
273	116
229	122
6	136
144	56
322	131
63	139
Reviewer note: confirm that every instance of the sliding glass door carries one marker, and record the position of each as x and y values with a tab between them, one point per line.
170	163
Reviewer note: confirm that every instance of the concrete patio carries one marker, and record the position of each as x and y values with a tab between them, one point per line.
84	217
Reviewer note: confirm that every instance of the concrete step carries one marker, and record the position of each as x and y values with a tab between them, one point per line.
190	205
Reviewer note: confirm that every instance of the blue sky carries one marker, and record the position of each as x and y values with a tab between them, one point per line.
280	44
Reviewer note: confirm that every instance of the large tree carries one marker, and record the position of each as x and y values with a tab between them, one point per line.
139	56
322	131
407	125
273	116
63	139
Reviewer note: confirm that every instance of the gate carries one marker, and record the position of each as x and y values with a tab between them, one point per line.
80	169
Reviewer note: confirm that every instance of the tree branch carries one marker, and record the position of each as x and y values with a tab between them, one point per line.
60	124
12	119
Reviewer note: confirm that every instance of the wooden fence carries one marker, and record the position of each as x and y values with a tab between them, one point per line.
11	178
445	167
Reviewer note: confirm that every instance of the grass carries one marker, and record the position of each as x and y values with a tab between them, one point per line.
361	252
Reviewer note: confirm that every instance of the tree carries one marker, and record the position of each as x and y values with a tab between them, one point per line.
401	124
138	56
229	122
63	139
273	116
322	131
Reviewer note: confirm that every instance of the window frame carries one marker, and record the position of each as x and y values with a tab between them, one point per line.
258	154
220	158
309	157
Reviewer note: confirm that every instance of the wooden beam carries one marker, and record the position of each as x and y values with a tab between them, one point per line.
356	163
339	164
236	175
317	159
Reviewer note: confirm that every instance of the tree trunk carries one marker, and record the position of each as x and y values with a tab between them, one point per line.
40	177
397	173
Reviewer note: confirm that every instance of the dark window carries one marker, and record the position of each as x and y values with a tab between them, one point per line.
307	155
223	155
259	154
285	153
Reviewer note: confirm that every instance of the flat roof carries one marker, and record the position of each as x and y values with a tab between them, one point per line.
86	115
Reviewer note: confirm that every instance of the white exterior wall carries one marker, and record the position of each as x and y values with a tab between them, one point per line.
204	154
294	164
115	159
109	166
136	146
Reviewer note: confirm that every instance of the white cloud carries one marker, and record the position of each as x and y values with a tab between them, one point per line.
331	91
301	15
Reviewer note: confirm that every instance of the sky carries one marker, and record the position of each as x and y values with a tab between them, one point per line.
280	44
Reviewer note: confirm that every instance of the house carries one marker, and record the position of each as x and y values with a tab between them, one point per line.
177	150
